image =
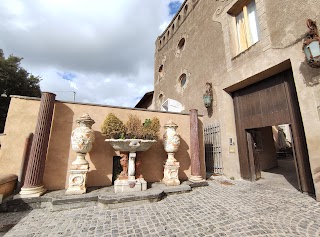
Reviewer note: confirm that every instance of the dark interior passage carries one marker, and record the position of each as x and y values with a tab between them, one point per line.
274	160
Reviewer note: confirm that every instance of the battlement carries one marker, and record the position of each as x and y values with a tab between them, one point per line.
186	7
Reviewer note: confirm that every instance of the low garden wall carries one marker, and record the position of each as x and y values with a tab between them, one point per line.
22	119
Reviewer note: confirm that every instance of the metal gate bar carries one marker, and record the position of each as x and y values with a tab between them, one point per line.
212	143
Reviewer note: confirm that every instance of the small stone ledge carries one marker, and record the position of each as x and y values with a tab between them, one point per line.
183	188
198	184
6	178
72	205
102	197
129	197
7	184
74	199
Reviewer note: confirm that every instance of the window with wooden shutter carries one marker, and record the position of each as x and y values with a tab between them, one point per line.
247	26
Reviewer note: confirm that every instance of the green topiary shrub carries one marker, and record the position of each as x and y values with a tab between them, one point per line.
113	127
134	127
151	128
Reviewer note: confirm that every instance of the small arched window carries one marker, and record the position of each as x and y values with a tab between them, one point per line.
181	44
183	80
186	9
160	71
160	99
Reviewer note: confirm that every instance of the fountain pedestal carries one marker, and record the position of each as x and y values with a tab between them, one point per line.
127	181
127	186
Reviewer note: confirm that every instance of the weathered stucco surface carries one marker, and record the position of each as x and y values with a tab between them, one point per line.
22	118
210	55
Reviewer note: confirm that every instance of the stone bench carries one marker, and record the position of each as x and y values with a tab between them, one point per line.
7	185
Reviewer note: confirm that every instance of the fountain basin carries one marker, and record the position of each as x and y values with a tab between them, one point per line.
130	145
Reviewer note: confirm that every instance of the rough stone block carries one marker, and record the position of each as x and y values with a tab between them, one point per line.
7	184
126	186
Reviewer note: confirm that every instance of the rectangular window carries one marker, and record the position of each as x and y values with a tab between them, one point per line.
247	26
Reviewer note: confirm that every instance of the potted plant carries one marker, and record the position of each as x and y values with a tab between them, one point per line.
132	137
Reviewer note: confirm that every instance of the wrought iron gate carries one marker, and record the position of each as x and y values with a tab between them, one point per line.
212	143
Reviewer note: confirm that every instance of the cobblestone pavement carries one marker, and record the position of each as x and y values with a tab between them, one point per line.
243	209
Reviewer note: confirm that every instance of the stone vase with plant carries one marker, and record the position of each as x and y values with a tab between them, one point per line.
129	138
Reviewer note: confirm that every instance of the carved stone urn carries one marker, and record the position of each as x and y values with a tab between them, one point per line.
82	139
171	140
171	143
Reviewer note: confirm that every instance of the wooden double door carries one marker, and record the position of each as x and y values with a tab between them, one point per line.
272	101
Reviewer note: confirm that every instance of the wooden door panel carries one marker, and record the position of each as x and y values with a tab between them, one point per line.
251	156
272	101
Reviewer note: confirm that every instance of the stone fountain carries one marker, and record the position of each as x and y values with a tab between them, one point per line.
128	148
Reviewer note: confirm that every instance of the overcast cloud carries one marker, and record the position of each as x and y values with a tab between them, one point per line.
101	49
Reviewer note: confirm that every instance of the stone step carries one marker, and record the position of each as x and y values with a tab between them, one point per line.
102	197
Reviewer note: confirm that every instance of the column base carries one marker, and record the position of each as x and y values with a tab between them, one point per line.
170	174
77	179
32	192
196	179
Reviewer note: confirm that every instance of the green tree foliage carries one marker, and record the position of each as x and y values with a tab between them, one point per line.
15	80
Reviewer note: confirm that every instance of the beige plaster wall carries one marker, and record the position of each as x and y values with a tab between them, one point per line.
22	120
211	55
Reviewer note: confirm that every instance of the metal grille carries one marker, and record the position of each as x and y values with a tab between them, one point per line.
212	143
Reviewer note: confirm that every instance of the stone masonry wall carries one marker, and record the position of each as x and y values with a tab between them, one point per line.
210	55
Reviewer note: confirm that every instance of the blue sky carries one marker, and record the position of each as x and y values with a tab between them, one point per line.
69	76
174	7
90	49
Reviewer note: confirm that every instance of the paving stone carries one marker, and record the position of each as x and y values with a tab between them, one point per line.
241	209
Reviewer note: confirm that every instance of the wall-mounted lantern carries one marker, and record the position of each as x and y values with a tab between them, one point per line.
311	45
208	95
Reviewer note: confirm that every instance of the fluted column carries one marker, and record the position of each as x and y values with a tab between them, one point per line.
194	147
33	184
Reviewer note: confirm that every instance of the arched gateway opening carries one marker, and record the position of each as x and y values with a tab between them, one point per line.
261	107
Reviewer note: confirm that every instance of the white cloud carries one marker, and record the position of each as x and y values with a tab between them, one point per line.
164	25
108	45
